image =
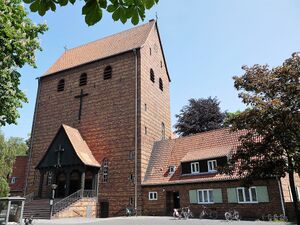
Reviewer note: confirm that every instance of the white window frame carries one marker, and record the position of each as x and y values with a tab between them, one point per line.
210	200
195	165
172	169
244	195
212	165
13	180
152	195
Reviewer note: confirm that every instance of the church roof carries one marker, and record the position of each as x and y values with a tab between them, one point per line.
80	146
103	48
206	145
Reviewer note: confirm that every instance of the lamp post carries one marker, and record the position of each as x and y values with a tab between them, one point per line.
53	187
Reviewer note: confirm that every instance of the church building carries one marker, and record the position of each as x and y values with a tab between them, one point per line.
101	137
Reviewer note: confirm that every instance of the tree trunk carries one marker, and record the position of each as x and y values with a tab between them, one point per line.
294	195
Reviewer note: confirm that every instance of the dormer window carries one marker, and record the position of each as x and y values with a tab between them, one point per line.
172	169
195	167
212	165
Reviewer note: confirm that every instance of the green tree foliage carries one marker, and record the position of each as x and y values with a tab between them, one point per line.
229	116
18	43
272	145
121	10
9	149
198	116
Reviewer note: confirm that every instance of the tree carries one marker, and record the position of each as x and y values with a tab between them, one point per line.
229	116
271	146
198	116
19	41
92	10
7	158
18	145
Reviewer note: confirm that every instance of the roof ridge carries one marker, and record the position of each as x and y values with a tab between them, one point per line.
111	35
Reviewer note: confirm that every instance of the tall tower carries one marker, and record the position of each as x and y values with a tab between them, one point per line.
112	97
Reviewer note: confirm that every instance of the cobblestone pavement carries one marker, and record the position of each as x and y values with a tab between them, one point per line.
143	220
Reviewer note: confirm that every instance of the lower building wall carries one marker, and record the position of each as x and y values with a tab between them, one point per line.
164	205
85	207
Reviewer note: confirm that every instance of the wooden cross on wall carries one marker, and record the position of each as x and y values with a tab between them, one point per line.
80	104
59	150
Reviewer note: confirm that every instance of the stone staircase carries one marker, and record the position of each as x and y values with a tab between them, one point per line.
39	209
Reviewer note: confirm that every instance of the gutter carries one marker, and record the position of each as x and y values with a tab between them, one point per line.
136	132
281	196
32	135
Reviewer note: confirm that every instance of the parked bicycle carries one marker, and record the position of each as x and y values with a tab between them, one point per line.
176	214
130	211
232	215
208	213
186	212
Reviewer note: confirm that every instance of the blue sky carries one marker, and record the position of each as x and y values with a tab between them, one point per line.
205	42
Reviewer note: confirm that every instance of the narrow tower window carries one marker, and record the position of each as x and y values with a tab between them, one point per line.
163	131
161	85
83	79
61	85
152	76
107	73
105	170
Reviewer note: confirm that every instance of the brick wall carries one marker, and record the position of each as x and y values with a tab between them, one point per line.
255	210
107	121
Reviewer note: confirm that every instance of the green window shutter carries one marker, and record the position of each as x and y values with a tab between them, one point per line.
217	195
231	195
193	196
262	194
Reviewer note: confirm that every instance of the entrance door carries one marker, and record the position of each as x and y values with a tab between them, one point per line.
176	200
74	182
104	209
61	185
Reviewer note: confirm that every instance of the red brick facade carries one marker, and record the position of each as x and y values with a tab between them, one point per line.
108	117
247	210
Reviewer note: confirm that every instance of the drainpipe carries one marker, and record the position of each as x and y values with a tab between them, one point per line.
281	195
136	132
32	135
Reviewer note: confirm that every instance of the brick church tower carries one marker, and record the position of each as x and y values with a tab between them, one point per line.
99	110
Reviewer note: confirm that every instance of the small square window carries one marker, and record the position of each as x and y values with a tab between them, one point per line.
152	195
205	196
172	169
195	167
212	165
13	180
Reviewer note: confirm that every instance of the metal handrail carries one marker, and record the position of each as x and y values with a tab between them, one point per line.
67	201
29	197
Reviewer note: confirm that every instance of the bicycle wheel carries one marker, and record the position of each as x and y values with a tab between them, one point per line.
202	215
236	215
213	215
228	216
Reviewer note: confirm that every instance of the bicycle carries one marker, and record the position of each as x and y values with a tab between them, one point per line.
208	213
232	215
186	212
130	211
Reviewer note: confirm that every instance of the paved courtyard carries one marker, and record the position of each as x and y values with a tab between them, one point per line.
143	220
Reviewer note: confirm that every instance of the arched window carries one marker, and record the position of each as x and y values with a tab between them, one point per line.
83	79
107	73
105	170
161	85
152	76
61	85
163	131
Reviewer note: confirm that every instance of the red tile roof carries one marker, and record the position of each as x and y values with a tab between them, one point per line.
103	48
200	146
19	170
80	146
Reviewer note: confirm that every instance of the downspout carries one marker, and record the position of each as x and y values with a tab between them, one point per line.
281	196
32	135
136	132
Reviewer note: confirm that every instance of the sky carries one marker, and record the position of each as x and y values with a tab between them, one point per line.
205	43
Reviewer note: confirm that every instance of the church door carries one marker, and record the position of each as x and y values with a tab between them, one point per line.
61	185
74	182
